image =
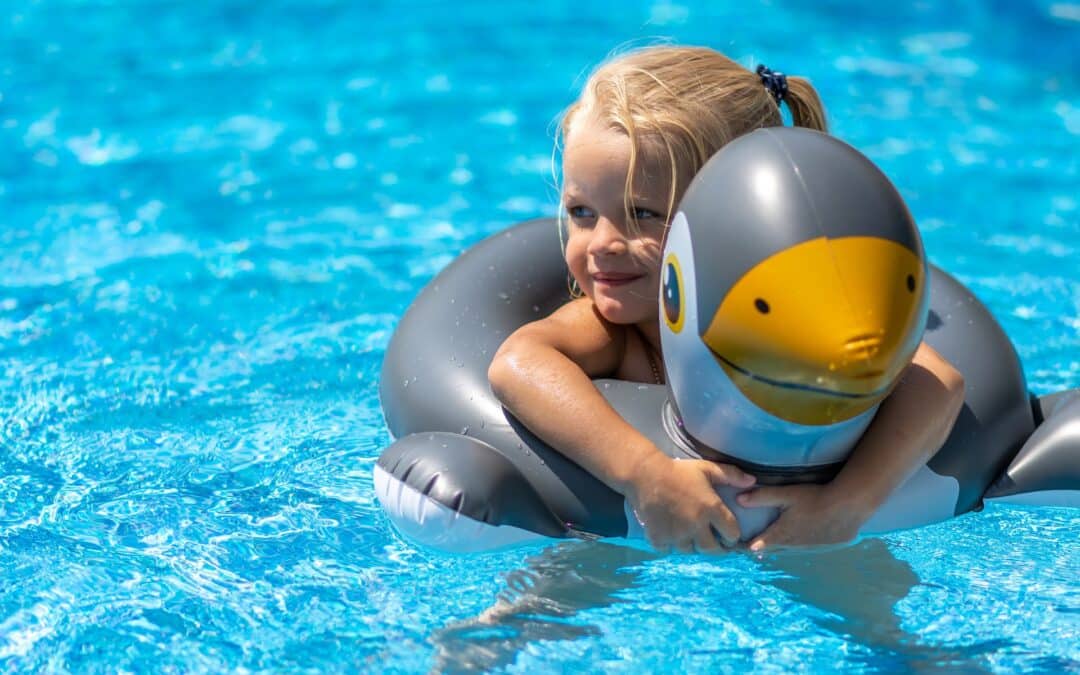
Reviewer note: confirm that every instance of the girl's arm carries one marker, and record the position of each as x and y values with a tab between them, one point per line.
542	374
910	427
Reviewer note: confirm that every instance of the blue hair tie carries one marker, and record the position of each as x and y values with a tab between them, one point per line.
775	82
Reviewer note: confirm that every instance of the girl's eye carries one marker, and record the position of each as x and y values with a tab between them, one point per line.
642	213
579	212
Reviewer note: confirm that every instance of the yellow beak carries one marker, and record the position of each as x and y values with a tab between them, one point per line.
821	331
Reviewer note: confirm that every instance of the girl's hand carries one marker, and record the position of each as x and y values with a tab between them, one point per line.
677	503
810	515
911	425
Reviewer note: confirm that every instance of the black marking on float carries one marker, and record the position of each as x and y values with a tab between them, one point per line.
672	294
796	385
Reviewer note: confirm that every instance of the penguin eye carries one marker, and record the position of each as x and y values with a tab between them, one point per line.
671	292
911	283
761	306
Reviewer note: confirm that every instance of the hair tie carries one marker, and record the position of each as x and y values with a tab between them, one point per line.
775	82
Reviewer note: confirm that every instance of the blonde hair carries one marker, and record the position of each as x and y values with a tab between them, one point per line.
680	105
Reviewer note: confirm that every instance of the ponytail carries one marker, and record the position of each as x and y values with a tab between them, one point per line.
805	105
679	105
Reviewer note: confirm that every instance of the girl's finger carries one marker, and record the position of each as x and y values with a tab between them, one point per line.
705	541
776	535
726	474
764	496
724	524
659	542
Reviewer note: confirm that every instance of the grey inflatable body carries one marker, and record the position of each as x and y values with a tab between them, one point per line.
464	476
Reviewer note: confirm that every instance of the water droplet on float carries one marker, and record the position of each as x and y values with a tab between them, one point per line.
482	424
465	430
503	295
406	382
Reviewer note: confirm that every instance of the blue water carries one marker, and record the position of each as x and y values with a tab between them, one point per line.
213	214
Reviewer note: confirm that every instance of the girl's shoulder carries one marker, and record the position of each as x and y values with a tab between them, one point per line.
595	343
606	349
581	314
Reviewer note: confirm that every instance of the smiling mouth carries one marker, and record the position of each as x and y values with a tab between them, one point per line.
616	279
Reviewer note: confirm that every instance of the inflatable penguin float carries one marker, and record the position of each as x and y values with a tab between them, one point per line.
794	292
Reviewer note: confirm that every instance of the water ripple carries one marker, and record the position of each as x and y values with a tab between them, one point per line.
214	215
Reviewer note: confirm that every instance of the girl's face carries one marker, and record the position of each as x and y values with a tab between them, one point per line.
615	264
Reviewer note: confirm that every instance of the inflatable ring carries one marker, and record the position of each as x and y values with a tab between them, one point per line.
465	476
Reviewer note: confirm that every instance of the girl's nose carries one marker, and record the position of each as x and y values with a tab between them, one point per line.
608	238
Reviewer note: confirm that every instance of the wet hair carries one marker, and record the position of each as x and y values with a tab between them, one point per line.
679	106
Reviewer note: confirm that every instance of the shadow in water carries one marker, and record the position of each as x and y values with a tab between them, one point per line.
554	586
857	587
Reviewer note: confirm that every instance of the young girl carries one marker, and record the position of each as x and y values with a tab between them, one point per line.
643	126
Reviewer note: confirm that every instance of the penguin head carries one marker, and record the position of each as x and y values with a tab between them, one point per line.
793	274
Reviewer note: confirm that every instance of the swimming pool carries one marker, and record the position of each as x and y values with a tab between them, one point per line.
212	217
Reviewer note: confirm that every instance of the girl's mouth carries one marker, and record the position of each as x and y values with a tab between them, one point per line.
615	279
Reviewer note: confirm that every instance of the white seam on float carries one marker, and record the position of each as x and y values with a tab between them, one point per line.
419	503
397	498
438	526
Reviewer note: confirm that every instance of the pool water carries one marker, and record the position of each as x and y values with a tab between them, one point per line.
213	214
